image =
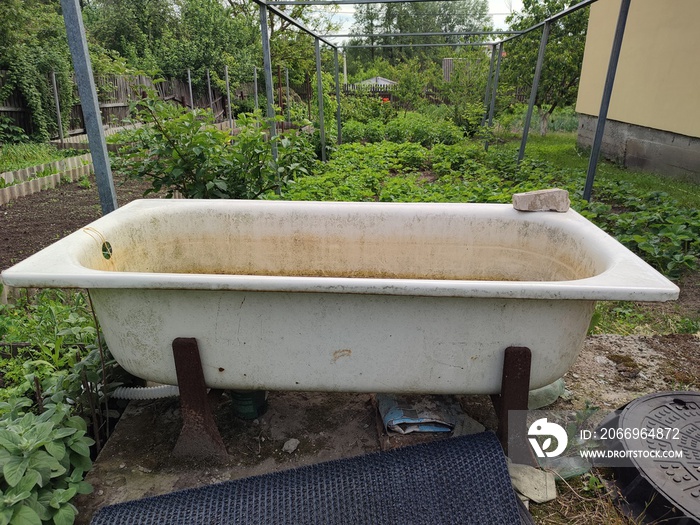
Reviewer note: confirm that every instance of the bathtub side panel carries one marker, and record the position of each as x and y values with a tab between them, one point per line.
341	342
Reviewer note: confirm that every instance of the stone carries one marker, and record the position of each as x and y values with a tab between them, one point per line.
542	200
535	484
290	445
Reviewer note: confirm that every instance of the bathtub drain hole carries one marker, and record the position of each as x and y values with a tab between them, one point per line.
106	250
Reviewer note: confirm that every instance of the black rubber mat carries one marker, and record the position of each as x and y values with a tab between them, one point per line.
460	480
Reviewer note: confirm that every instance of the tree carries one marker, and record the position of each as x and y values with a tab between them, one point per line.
561	69
415	17
206	34
464	91
290	47
133	29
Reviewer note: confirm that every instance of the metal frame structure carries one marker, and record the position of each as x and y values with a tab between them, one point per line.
345	2
98	148
468	33
82	65
493	85
267	64
454	44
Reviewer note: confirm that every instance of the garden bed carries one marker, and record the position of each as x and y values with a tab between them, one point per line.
32	222
611	370
27	181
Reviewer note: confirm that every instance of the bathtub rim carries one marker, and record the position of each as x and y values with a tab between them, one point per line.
627	276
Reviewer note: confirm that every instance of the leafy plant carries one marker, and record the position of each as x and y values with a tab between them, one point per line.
84	182
412	127
180	150
592	483
49	347
361	106
43	459
9	133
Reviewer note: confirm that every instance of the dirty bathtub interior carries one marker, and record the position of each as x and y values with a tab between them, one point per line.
354	297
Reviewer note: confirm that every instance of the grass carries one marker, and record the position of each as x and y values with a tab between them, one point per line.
18	156
628	318
579	502
561	150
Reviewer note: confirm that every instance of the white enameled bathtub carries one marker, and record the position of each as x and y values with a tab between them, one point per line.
334	296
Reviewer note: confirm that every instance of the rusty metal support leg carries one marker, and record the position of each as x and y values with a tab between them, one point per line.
515	388
199	437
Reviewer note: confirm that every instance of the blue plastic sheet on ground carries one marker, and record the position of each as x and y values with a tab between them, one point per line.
410	413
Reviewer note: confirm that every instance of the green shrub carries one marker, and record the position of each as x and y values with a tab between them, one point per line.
564	119
397	130
513	119
43	459
374	131
469	117
9	133
181	150
449	158
360	107
415	127
353	131
44	445
437	111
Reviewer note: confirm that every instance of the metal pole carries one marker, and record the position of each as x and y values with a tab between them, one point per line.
284	16
228	100
488	85
255	86
345	69
494	90
57	102
269	88
533	92
82	65
280	100
307	86
494	87
189	84
289	100
211	102
319	86
337	96
605	101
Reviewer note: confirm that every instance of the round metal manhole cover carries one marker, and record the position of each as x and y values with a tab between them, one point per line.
662	434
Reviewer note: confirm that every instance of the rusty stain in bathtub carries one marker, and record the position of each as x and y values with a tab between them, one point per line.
344	352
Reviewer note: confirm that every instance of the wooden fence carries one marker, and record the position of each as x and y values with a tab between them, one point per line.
14	107
115	94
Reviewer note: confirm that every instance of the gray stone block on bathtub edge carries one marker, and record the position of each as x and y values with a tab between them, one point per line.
542	200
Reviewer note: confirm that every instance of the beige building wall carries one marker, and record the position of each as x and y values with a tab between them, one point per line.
658	77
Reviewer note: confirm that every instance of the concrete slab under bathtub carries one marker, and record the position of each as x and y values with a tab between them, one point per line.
136	461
